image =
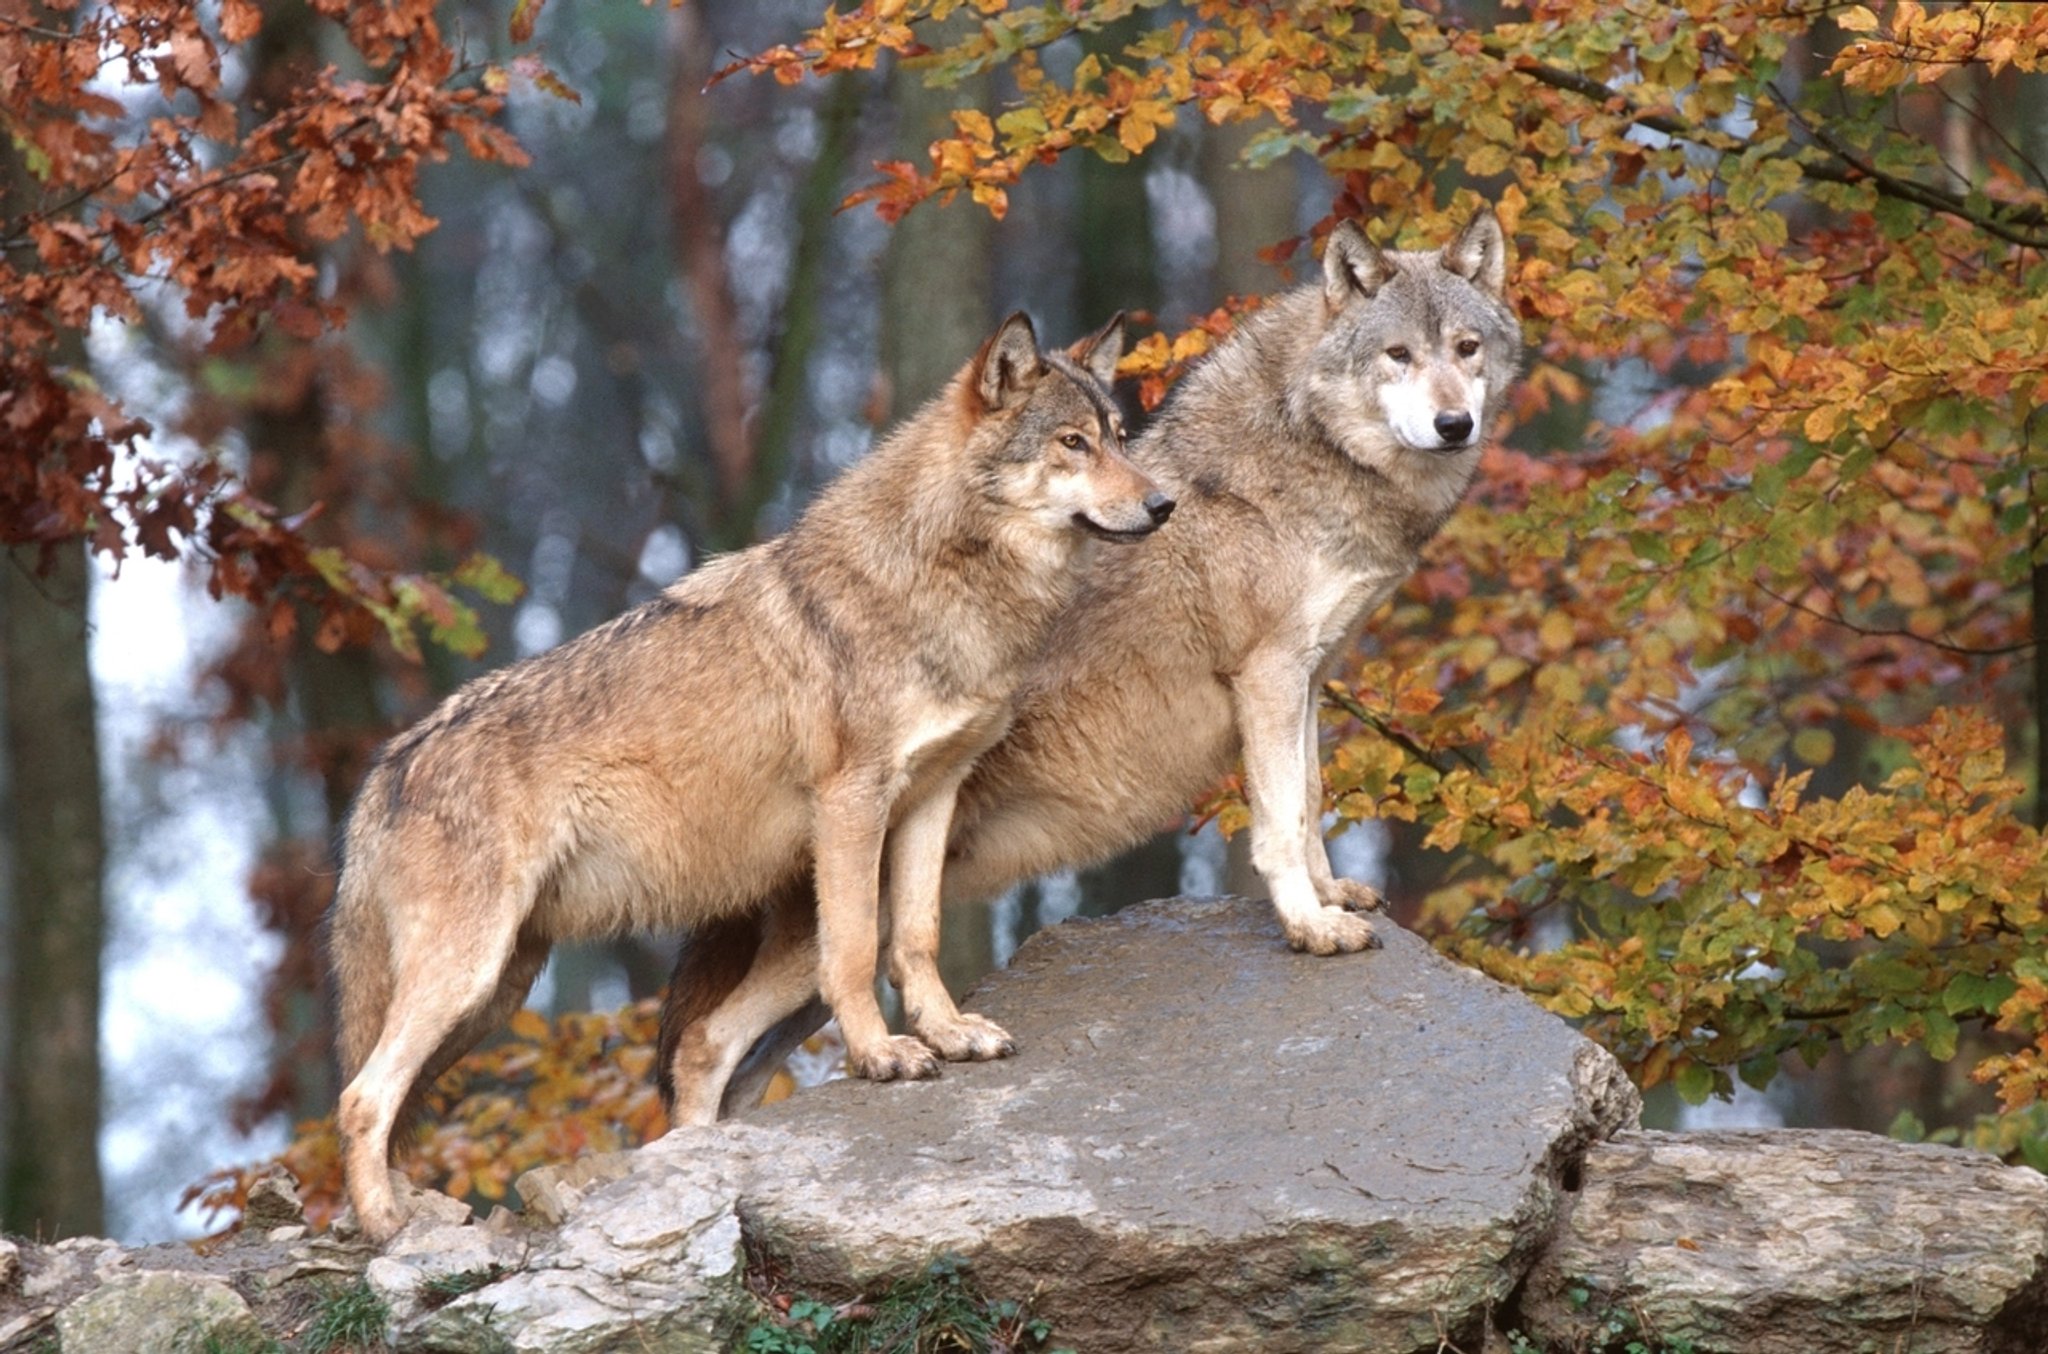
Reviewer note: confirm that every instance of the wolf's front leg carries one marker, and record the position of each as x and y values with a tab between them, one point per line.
917	859
1277	725
1349	894
852	818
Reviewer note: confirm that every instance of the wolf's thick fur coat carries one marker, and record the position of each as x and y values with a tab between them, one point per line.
769	718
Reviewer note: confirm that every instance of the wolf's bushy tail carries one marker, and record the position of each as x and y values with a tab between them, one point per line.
359	952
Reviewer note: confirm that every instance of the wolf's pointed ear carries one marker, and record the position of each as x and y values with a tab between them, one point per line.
1480	253
1102	350
1008	365
1352	265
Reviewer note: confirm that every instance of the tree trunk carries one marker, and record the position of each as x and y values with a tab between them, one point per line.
786	401
936	307
51	821
1255	208
699	244
50	1183
332	713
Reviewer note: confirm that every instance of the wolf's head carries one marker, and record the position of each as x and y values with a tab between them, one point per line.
1417	351
1049	439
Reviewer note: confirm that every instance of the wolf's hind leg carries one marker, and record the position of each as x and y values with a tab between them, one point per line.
528	956
917	858
782	978
440	990
749	1082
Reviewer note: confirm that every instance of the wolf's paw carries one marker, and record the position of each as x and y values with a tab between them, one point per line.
376	1224
1351	896
897	1058
968	1038
1332	931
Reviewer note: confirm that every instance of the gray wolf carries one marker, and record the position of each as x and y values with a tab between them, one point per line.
1314	453
769	717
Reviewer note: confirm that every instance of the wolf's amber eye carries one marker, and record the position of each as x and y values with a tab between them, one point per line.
1399	354
1467	347
1073	441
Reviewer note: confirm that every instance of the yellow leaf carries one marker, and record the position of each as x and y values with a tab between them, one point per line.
1823	423
1503	670
1815	747
530	1024
1857	19
974	123
1556	632
1140	127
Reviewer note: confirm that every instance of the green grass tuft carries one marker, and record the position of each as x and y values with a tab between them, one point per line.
940	1311
349	1321
443	1289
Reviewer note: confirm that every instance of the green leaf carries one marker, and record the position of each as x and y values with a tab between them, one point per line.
1274	145
485	576
1695	1082
1941	1035
1967	992
1022	124
1651	546
1890	977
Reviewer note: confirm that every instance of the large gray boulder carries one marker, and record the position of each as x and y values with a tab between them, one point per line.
1204	1142
1799	1242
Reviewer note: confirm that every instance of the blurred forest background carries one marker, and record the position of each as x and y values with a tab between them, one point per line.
656	339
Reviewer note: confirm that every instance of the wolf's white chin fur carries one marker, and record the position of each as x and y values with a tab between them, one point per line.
1411	410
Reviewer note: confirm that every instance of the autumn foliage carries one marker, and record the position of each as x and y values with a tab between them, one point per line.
1725	719
547	1091
137	186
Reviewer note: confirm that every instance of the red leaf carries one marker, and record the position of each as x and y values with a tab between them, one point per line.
240	20
524	14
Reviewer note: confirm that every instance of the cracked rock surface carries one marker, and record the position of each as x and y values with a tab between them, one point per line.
1801	1242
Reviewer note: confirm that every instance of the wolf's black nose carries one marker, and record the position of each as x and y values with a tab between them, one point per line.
1159	505
1454	428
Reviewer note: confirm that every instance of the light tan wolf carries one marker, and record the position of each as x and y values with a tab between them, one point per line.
768	718
1313	453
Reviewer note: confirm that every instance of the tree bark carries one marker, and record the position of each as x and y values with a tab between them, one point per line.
50	1182
699	244
51	820
936	306
332	714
